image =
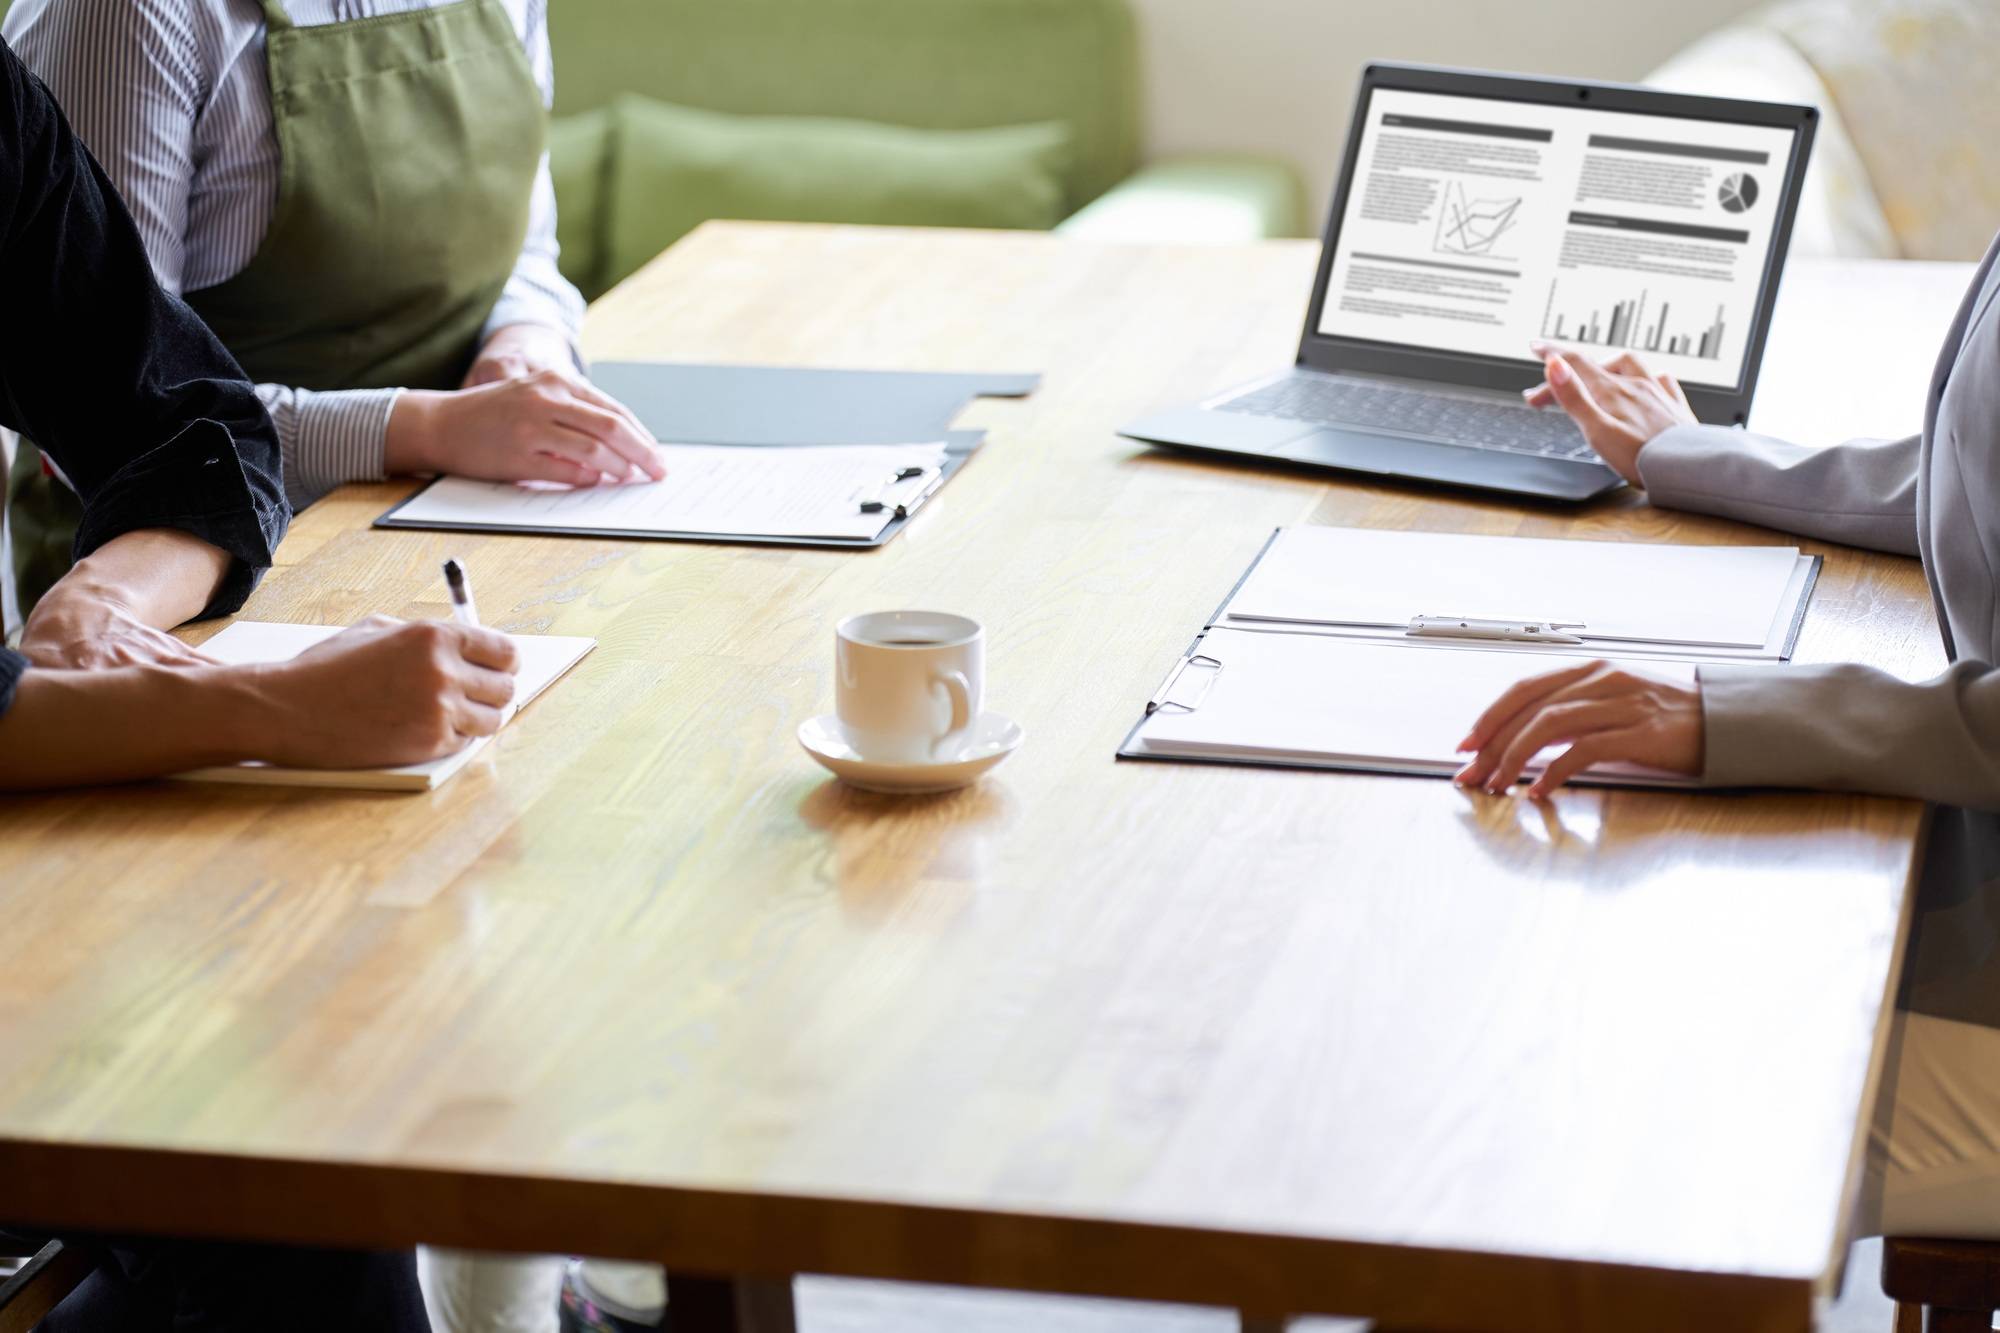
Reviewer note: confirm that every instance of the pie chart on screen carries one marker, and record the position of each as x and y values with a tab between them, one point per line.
1738	193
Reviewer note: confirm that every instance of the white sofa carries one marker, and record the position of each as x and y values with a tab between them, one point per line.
1907	163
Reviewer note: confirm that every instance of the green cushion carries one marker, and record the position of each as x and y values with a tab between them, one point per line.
580	163
927	64
673	168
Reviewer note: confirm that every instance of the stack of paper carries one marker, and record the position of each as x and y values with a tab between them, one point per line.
1732	601
543	660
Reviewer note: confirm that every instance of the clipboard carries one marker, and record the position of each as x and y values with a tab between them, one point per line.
752	406
960	446
1195	675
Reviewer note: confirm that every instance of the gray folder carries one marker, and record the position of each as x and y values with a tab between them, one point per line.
691	404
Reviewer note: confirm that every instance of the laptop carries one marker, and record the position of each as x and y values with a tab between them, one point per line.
1477	212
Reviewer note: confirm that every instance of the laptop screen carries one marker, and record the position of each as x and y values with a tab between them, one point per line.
1473	225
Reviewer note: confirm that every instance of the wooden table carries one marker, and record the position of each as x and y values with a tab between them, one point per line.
646	983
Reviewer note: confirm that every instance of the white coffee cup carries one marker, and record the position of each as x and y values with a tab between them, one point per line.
908	684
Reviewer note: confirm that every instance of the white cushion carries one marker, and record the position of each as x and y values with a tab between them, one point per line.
1914	81
1838	212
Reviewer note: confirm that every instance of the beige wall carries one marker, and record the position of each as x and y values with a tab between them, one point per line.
1277	76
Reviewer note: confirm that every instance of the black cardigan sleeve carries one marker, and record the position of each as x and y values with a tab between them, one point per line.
12	664
118	383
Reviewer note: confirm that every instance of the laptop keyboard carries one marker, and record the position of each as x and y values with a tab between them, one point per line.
1332	401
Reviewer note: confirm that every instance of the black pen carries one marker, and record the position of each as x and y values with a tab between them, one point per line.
462	609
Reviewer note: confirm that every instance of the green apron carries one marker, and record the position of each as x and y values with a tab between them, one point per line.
409	146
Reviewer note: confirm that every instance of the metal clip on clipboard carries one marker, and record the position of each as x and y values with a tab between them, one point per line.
904	508
1494	631
1169	696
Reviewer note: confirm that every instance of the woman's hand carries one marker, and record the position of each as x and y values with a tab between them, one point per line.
384	692
519	350
551	425
1619	406
1605	713
80	628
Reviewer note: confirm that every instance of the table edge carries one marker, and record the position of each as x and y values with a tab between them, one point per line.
60	1187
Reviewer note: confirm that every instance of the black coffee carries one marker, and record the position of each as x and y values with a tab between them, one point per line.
910	643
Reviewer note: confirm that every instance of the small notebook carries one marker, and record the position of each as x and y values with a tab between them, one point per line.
544	658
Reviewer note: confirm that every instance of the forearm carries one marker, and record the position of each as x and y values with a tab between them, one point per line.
160	576
411	441
78	728
1862	493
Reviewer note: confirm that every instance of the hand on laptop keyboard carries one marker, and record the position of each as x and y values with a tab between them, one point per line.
1619	406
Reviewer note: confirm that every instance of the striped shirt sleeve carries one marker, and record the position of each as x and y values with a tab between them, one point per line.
130	79
329	439
537	292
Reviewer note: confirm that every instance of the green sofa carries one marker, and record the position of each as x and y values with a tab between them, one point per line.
810	93
817	66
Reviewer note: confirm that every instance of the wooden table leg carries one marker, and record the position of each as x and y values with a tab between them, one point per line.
1940	1320
729	1305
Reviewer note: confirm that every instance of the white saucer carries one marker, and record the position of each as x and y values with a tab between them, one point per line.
992	739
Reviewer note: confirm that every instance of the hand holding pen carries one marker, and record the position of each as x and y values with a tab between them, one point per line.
387	691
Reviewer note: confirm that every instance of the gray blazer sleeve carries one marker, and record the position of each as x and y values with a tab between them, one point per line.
1844	727
1853	728
1862	493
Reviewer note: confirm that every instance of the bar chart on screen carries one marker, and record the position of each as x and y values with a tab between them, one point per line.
1626	323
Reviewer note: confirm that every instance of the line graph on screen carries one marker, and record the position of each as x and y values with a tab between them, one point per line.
1467	226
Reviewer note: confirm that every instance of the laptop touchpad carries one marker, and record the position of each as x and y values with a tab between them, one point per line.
1421	460
1355	449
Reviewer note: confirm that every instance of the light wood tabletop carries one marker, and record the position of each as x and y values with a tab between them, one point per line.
645	982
